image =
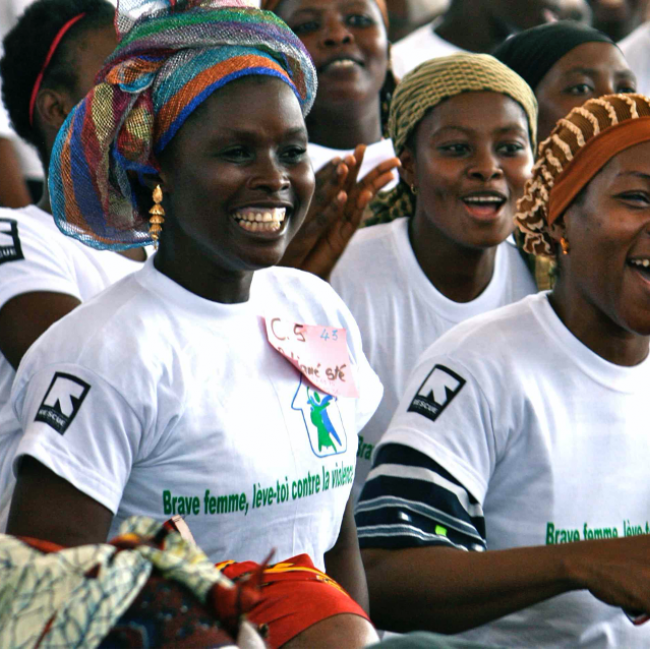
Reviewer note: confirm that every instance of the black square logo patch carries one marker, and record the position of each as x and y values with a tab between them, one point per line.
436	393
62	401
10	249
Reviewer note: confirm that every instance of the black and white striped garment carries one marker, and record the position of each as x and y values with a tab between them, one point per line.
410	500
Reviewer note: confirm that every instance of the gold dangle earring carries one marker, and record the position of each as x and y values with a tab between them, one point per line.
157	213
564	243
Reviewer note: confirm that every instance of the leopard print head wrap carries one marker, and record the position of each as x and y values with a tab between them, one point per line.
579	146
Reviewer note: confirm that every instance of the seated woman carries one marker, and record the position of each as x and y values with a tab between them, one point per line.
524	428
50	60
348	43
174	392
566	63
464	127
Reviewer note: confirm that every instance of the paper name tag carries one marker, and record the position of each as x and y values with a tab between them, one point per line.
319	352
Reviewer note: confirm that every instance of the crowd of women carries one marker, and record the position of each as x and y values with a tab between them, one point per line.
271	288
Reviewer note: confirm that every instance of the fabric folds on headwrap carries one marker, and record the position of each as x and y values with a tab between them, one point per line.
533	52
169	60
431	83
271	5
578	148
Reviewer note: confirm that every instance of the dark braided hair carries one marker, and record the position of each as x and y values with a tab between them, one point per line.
25	50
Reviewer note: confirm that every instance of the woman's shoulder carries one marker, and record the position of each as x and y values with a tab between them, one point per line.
509	332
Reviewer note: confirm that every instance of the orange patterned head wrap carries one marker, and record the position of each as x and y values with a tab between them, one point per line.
579	146
271	5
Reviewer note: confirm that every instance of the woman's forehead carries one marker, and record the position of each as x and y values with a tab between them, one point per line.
253	105
479	112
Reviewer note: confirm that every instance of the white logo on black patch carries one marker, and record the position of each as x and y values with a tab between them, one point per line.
436	393
62	401
10	249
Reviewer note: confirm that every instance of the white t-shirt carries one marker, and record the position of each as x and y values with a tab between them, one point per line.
636	47
546	437
154	401
36	256
420	46
375	154
400	313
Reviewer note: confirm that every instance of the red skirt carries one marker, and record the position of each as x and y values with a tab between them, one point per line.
295	596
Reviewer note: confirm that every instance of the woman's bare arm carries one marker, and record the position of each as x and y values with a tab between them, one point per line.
47	507
448	590
343	560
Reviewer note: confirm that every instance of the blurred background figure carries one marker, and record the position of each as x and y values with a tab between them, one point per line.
21	174
471	26
636	46
618	18
407	15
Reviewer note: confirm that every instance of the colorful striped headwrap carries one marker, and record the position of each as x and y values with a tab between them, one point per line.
172	55
428	85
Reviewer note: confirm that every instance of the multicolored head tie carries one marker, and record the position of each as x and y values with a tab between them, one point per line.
579	146
172	55
55	44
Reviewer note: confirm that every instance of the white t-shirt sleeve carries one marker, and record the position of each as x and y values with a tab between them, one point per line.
444	414
60	409
31	261
432	467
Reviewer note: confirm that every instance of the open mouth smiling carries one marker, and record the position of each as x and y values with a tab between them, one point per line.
484	204
260	219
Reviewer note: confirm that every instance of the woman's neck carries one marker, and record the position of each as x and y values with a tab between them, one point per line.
457	272
201	277
343	126
592	327
469	26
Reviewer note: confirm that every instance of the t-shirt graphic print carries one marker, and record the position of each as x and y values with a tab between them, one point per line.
322	419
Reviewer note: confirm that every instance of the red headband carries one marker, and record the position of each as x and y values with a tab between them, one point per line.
48	58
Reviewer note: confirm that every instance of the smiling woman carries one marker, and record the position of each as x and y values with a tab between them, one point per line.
464	126
348	42
525	428
168	389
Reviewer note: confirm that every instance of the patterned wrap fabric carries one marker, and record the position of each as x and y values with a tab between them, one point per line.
579	146
72	597
431	83
172	55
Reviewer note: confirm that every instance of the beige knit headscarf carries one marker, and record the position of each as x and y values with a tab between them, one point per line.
428	85
578	148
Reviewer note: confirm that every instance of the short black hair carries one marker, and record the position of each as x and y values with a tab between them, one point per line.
26	47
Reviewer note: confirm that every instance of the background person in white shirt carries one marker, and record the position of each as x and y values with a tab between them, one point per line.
526	428
464	126
471	26
164	395
43	273
348	43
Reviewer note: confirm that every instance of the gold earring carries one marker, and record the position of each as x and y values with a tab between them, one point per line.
414	189
157	213
565	246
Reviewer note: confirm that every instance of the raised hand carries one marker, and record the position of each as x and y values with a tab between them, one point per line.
335	215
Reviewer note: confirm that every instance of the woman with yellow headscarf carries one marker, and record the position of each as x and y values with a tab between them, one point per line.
464	127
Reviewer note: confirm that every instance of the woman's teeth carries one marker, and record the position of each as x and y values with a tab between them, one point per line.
645	263
261	220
